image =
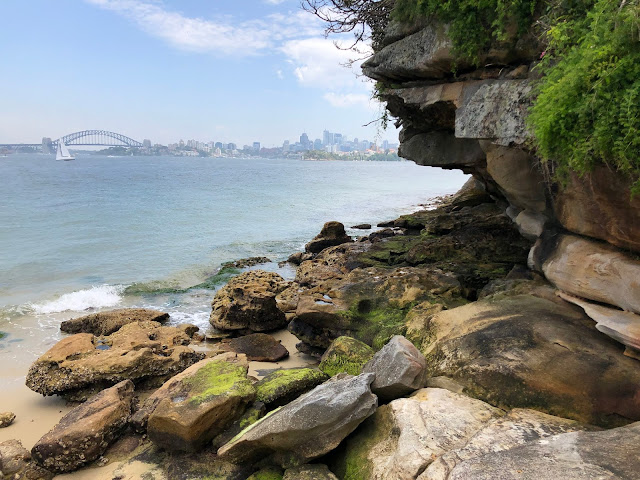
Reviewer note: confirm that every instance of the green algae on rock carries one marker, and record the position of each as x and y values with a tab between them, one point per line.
191	410
283	386
345	354
270	473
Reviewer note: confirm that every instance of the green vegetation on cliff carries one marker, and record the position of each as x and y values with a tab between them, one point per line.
587	109
474	24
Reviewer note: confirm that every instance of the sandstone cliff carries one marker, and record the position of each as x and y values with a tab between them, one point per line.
586	231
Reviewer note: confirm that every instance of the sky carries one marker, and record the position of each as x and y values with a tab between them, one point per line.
221	70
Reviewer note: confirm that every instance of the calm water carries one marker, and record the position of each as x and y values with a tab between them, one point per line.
138	231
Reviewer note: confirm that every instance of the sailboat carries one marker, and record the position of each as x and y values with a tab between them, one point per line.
63	152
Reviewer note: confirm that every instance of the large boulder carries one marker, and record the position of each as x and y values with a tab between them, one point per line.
80	365
345	355
259	347
516	428
16	463
399	368
531	352
307	428
190	410
84	433
570	456
332	234
402	438
589	269
248	302
106	323
283	386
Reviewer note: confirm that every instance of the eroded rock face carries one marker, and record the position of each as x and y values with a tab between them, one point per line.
571	456
191	410
599	204
248	301
525	351
589	269
399	368
402	438
84	433
332	234
307	428
106	323
80	365
258	347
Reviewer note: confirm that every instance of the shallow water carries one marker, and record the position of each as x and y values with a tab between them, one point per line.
103	232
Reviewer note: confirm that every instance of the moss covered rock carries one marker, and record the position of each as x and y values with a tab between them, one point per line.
283	386
346	355
270	473
189	411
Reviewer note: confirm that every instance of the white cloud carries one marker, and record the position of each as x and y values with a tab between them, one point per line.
319	63
314	60
208	36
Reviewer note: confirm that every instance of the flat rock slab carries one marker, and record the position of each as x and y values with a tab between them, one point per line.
80	365
570	456
248	301
192	409
106	323
307	428
84	433
399	368
258	347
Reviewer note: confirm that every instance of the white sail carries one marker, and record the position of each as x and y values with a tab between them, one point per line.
63	152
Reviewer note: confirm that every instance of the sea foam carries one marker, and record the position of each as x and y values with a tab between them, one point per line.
94	297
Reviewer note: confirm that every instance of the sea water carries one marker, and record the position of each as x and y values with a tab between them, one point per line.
102	232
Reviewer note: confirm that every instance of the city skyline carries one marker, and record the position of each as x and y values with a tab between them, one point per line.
169	69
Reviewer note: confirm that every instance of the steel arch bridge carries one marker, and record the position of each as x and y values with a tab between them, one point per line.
101	138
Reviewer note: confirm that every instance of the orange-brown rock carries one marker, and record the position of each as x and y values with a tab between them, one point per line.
82	364
84	433
248	301
106	323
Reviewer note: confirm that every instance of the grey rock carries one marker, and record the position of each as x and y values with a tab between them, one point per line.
16	463
518	427
495	109
307	428
442	149
399	369
570	456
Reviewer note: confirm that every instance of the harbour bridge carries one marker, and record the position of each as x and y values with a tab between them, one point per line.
93	138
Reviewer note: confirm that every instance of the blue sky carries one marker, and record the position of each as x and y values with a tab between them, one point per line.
222	70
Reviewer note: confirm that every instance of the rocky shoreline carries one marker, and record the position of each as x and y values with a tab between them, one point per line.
441	356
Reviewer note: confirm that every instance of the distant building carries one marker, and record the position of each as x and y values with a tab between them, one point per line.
317	144
304	142
47	145
337	139
327	138
256	146
285	146
146	143
219	145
